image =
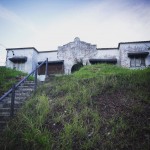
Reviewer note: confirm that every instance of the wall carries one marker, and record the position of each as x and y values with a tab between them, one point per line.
108	53
29	64
125	48
51	55
76	51
42	56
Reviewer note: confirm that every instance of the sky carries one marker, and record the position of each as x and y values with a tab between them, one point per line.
47	24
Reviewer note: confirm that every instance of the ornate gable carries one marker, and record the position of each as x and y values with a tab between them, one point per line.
76	50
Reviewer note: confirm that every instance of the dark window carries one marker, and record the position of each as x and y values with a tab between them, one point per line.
142	61
137	62
52	69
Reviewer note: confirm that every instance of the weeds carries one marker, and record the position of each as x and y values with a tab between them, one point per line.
28	131
98	107
8	77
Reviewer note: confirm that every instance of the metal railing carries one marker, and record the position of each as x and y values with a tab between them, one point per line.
14	87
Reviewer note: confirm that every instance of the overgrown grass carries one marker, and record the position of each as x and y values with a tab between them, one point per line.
98	107
8	77
28	132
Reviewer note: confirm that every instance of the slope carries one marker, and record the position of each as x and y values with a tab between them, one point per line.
98	107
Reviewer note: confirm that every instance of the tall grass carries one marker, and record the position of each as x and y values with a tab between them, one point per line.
98	107
28	131
8	77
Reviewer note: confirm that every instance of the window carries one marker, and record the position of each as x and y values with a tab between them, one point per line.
142	62
137	62
19	66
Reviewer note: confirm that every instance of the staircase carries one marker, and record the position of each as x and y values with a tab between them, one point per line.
23	92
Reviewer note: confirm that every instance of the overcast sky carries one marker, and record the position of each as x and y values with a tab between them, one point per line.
47	24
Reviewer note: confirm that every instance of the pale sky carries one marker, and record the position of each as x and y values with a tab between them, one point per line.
47	24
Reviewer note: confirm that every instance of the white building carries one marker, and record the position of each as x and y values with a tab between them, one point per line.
66	58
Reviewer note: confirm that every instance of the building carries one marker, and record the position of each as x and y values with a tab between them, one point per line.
65	59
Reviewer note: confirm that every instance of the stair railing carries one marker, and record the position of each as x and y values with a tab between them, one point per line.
14	87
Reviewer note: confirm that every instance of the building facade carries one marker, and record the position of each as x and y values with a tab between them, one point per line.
66	57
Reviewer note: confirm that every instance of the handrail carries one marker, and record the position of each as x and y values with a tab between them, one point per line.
10	90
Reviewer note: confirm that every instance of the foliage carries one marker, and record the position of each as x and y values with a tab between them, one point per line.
98	107
28	131
8	77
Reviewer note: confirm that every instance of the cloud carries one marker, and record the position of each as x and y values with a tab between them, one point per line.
105	23
11	16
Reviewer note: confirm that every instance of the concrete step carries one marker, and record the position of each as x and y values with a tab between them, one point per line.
21	94
25	87
27	84
3	124
7	109
29	81
5	113
1	105
17	98
5	117
16	105
24	91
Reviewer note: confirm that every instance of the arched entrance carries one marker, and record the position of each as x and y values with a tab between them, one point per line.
76	67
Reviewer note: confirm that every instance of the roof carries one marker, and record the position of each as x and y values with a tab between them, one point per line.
114	48
21	59
48	51
110	60
132	42
138	54
53	62
11	49
81	41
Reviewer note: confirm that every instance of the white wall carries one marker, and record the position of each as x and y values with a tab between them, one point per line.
125	48
52	56
28	67
42	56
108	54
76	51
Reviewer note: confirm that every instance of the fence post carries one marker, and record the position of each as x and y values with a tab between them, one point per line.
46	69
35	80
12	101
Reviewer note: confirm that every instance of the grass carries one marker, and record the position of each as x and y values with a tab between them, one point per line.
8	77
98	107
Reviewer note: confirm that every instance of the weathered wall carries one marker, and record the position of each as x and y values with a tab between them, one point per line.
51	55
76	51
42	56
126	48
108	53
29	64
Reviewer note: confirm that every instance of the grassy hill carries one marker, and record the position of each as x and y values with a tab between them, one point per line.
99	107
8	77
